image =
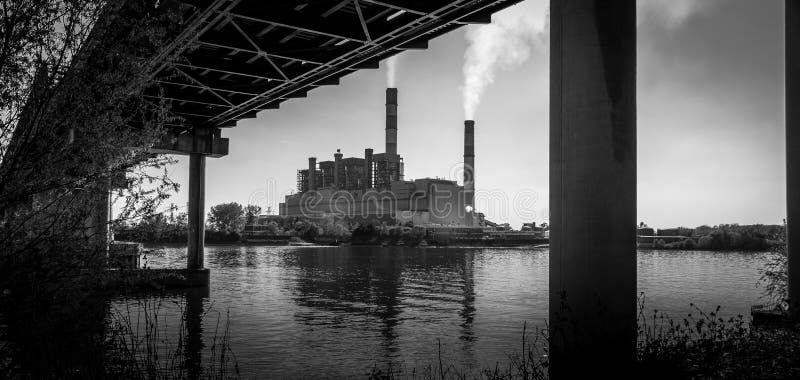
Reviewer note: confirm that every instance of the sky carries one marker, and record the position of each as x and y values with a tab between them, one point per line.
710	117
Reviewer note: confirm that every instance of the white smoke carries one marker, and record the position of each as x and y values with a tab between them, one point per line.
504	44
391	72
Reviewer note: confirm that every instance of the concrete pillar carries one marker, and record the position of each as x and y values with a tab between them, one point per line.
98	221
196	211
103	217
107	216
592	188
792	14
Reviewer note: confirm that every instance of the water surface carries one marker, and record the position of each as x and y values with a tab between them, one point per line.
337	312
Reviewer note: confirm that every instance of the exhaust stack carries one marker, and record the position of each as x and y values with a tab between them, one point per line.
337	167
391	121
469	163
312	173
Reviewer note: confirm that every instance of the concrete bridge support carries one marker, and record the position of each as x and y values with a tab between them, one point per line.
199	144
196	211
792	14
100	216
592	188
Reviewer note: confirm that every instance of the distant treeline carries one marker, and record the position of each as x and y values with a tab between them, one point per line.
161	229
226	223
753	237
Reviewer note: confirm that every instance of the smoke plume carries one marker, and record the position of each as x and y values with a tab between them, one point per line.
391	71
504	44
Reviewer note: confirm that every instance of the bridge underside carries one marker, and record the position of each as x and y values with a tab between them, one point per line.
235	58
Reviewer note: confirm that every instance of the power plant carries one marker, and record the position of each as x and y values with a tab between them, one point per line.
373	188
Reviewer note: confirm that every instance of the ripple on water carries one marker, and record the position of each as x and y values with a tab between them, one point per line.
337	311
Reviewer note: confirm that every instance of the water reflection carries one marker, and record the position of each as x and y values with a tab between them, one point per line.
193	316
468	303
381	287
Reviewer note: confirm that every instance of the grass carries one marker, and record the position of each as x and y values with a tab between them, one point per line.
699	346
131	341
140	344
528	364
705	346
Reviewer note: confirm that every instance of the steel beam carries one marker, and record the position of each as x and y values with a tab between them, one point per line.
324	26
205	87
214	42
417	7
229	67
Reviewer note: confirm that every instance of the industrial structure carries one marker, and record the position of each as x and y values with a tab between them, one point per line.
373	187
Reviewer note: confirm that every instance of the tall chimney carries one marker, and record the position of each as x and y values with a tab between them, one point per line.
391	121
368	168
337	166
469	163
312	173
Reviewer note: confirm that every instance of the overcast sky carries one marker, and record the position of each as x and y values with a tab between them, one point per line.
710	120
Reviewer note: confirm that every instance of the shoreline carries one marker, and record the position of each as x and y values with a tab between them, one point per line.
537	247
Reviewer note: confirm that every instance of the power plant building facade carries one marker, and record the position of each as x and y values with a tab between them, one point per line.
373	187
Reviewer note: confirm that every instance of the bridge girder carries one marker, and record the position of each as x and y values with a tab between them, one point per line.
237	57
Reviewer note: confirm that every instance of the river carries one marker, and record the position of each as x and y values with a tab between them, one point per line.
338	312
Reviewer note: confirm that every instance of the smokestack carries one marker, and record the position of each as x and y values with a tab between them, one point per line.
391	121
368	168
337	164
469	163
312	173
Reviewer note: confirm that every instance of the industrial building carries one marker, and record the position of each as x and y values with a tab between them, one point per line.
373	187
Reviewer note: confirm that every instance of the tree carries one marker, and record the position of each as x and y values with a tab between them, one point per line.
274	229
226	217
73	78
251	212
774	275
775	272
75	122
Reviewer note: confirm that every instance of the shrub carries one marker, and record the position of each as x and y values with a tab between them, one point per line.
775	274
